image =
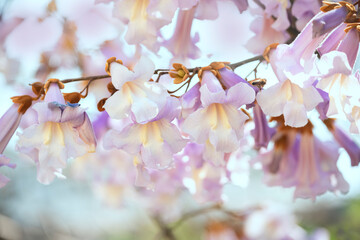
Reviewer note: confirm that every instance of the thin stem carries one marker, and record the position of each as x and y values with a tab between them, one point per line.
90	78
233	66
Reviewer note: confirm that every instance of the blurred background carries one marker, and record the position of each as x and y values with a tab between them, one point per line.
68	39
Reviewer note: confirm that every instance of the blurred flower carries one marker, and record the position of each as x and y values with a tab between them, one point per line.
4	161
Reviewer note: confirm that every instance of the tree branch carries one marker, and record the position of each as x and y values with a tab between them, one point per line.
233	66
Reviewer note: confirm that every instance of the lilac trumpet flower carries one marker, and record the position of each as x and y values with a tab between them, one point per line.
317	172
63	131
219	121
181	44
152	143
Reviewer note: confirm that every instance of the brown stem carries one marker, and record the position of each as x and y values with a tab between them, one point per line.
233	66
90	78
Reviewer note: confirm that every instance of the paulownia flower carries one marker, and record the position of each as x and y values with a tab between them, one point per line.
219	122
63	131
136	96
152	143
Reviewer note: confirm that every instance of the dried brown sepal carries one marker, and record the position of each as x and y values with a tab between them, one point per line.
53	80
307	129
281	123
73	97
329	123
201	71
38	88
109	61
267	51
100	105
219	65
180	73
328	6
24	102
350	26
111	88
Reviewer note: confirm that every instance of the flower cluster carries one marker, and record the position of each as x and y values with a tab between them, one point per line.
194	137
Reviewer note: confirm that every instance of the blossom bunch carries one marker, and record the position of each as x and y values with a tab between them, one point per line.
183	129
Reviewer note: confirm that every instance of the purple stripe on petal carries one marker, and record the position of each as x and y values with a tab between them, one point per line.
350	45
331	42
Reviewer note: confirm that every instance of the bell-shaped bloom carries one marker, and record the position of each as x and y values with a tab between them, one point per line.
154	142
181	44
279	164
265	34
278	9
202	178
4	161
344	141
272	222
296	60
317	171
63	131
219	121
338	82
136	96
144	18
289	99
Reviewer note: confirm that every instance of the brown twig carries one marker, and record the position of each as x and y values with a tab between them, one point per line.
233	66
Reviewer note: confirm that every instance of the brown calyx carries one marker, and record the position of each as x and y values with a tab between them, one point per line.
307	129
24	102
267	50
101	103
329	123
38	89
214	68
53	80
180	73
350	26
109	61
73	97
111	88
